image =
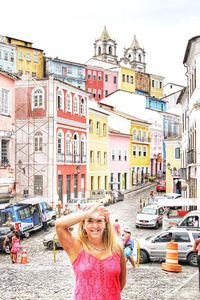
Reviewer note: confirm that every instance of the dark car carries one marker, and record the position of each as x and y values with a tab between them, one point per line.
5	232
120	196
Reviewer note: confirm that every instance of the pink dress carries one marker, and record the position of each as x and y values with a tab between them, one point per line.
97	279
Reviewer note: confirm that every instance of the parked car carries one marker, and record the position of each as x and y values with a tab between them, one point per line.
51	238
5	231
151	216
161	185
172	195
190	220
154	248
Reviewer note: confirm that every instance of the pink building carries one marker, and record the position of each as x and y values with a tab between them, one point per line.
110	82
7	136
119	162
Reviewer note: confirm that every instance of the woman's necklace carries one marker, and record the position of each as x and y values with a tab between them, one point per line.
97	249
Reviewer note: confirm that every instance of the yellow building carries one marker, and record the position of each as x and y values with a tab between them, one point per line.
126	79
139	151
173	164
29	60
156	86
98	150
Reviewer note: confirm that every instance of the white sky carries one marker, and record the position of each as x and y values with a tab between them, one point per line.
68	28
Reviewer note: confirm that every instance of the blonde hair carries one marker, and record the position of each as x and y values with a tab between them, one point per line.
109	238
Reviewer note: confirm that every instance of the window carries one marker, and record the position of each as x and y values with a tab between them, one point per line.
145	136
35	57
113	154
105	158
177	153
114	79
99	75
82	107
99	94
99	50
160	84
68	147
90	126
20	56
94	93
181	237
12	57
144	151
94	75
38	185
76	104
104	129
120	155
152	83
98	157
75	186
79	71
98	128
4	102
125	155
64	71
4	151
69	70
127	78
89	73
140	135
28	57
5	55
134	134
60	100
123	77
106	78
134	150
110	50
69	102
60	148
38	141
131	79
38	98
149	103
106	93
91	156
83	148
139	151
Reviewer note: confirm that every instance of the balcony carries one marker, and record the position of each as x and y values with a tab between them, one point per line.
141	139
60	157
83	158
191	157
76	158
69	158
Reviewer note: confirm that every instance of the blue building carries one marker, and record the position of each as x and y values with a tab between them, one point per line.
7	57
156	104
69	72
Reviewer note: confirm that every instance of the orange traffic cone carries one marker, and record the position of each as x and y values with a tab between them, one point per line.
24	259
171	264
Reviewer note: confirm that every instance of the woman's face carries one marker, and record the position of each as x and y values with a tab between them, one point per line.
95	227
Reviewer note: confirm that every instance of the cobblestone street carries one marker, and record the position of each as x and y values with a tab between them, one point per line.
41	278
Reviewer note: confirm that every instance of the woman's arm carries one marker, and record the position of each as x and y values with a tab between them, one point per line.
69	243
123	270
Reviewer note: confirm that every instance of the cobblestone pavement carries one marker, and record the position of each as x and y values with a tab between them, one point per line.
41	278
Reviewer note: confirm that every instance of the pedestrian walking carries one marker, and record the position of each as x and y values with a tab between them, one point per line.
44	220
151	197
128	246
117	228
96	256
196	248
15	247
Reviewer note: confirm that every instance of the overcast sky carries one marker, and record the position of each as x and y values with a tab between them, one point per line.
68	29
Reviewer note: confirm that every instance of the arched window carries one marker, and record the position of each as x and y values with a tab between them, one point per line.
83	148
68	102
76	148
60	146
139	57
110	50
60	99
68	147
38	97
38	141
82	107
76	104
99	51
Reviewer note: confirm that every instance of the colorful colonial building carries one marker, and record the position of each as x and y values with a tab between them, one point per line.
51	135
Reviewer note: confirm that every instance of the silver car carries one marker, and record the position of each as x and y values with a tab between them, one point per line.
154	248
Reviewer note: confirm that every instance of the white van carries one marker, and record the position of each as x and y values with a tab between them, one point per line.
151	216
190	220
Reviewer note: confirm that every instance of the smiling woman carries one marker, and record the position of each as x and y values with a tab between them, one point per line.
97	259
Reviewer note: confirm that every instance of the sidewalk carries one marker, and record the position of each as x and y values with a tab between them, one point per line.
140	187
188	290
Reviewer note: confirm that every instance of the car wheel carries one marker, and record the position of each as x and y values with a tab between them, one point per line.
137	226
50	245
26	234
192	259
157	225
143	257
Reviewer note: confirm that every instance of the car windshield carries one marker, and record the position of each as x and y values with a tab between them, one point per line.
149	211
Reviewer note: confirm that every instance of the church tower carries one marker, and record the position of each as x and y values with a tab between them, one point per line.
135	55
105	48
